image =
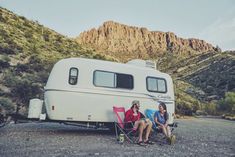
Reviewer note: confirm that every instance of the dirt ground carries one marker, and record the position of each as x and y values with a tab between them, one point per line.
195	137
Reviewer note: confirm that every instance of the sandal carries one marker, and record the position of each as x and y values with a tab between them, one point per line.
141	143
149	142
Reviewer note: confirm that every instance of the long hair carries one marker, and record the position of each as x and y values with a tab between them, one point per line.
166	116
132	106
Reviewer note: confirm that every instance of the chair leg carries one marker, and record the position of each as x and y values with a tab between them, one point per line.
116	132
128	137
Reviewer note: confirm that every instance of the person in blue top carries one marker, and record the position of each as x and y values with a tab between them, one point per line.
161	119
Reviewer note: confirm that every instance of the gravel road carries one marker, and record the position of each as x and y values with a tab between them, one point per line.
195	137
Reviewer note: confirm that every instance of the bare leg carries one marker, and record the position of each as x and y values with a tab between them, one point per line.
164	131
168	129
141	129
149	128
136	125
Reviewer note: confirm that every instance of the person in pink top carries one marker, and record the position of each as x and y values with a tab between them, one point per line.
137	120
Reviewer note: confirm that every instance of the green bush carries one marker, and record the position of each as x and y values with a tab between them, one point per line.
25	90
4	64
211	108
5	58
7	105
46	37
9	79
185	104
22	68
184	108
228	103
6	50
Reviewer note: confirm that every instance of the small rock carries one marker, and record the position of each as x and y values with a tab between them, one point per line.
97	154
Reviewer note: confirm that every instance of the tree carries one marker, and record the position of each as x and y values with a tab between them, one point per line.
218	49
228	103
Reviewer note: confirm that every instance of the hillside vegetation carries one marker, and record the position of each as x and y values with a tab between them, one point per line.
28	51
201	81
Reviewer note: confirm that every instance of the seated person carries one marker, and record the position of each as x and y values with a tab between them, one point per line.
133	117
161	119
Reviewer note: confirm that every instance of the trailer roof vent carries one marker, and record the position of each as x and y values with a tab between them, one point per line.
143	63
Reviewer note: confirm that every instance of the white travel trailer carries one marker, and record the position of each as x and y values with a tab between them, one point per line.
85	90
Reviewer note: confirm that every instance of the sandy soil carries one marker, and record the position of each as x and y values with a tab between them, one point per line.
195	137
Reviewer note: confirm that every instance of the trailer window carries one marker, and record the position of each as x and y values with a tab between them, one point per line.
113	80
73	76
124	81
104	79
156	85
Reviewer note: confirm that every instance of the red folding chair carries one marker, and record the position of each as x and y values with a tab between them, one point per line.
129	133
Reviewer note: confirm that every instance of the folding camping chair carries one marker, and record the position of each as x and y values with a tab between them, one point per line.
129	133
150	114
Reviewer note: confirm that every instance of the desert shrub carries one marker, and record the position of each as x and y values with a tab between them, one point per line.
184	108
43	76
28	34
2	19
46	37
186	104
4	61
99	56
195	106
7	104
218	49
35	63
25	90
4	64
6	58
22	68
210	108
6	50
27	23
9	79
228	103
38	67
34	58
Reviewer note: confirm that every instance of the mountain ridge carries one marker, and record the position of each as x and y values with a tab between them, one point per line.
115	38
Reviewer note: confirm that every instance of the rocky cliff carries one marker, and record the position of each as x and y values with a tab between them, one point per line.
133	42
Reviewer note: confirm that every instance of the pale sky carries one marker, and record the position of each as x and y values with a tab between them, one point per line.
210	20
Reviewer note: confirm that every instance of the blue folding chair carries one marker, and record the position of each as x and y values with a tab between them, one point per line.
150	114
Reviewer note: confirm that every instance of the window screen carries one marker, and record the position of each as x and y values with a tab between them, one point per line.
156	85
113	80
104	79
73	76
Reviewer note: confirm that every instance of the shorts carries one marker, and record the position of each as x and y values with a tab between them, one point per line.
129	125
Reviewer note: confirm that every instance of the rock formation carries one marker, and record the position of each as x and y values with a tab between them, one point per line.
118	39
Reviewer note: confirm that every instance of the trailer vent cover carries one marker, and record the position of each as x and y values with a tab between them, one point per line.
143	63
